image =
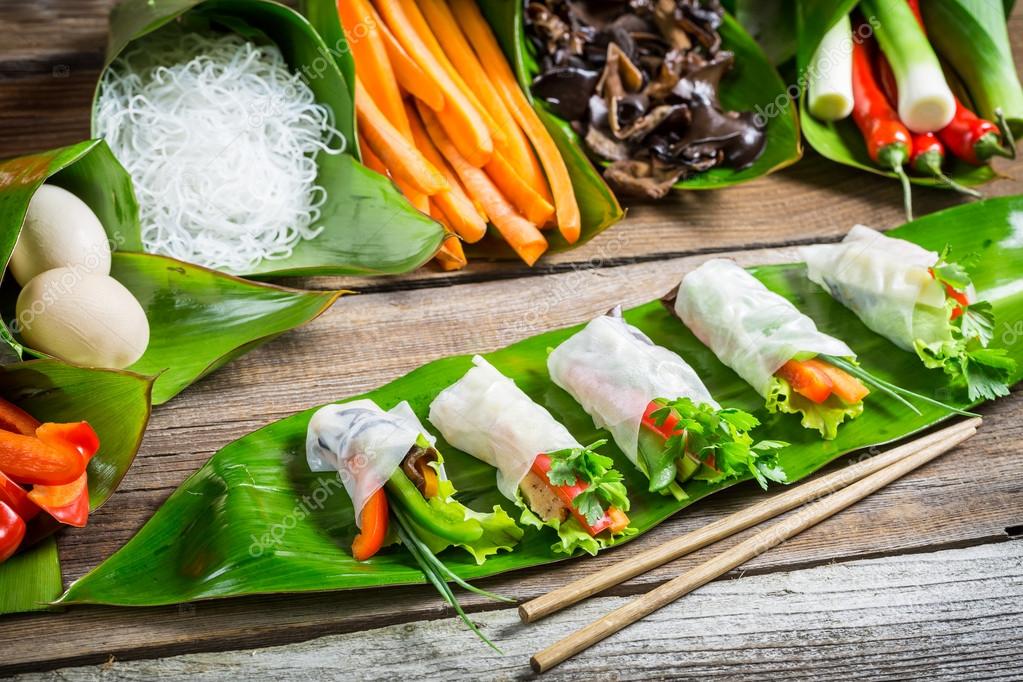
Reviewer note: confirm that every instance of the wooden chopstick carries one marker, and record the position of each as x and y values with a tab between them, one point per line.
590	585
744	551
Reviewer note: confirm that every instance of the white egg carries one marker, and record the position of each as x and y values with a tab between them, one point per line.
60	231
83	318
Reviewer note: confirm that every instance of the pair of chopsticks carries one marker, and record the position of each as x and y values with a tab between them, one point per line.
829	495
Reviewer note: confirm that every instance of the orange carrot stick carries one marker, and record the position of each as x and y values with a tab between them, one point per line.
408	74
467	128
521	235
527	200
515	147
493	60
425	32
369	159
371	62
398	154
450	256
373	162
457	207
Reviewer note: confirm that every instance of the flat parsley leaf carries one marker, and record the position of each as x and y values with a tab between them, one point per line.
604	486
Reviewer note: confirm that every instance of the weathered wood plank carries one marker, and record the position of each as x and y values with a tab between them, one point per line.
52	55
949	615
965	498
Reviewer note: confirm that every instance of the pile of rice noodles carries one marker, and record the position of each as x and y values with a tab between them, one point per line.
220	139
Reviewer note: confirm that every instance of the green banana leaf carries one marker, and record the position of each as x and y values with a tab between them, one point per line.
255	520
369	228
117	405
598	207
772	23
199	319
753	85
841	141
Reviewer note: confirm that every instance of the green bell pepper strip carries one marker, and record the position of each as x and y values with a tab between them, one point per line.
404	493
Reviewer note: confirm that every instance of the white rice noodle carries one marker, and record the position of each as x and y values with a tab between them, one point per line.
221	140
881	279
749	327
364	444
487	416
613	370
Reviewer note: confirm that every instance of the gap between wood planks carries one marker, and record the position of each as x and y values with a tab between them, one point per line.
952	614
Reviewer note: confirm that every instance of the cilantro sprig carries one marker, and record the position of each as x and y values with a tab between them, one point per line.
718	436
604	486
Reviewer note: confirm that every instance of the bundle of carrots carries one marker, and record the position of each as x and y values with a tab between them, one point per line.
440	112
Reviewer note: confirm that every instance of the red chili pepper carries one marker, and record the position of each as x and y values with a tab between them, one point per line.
613	519
927	154
888	141
968	136
12	532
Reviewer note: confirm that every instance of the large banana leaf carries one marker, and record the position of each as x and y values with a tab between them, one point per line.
116	404
841	141
369	228
598	206
753	85
199	319
255	520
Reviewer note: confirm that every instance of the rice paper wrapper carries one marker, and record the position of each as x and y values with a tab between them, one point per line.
487	416
614	370
364	444
880	278
749	327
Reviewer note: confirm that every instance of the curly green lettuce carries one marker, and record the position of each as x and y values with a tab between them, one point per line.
960	346
500	532
824	417
571	534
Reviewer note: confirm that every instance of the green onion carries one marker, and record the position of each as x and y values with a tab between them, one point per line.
926	103
829	76
890	389
973	36
438	574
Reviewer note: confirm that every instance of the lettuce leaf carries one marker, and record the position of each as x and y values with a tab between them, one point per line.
959	347
824	417
571	534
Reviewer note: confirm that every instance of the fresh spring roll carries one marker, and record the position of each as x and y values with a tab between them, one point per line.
919	300
556	482
387	459
658	411
772	345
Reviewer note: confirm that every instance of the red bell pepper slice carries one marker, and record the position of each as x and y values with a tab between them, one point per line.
17	420
27	459
12	532
374	527
613	518
67	503
669	428
16	497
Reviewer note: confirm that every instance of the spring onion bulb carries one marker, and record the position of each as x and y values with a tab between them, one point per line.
926	103
221	140
830	95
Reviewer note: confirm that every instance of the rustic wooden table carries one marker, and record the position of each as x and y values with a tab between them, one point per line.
918	580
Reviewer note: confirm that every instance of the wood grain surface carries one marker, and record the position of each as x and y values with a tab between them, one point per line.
909	617
50	56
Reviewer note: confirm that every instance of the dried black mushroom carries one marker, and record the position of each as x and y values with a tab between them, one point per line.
638	80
